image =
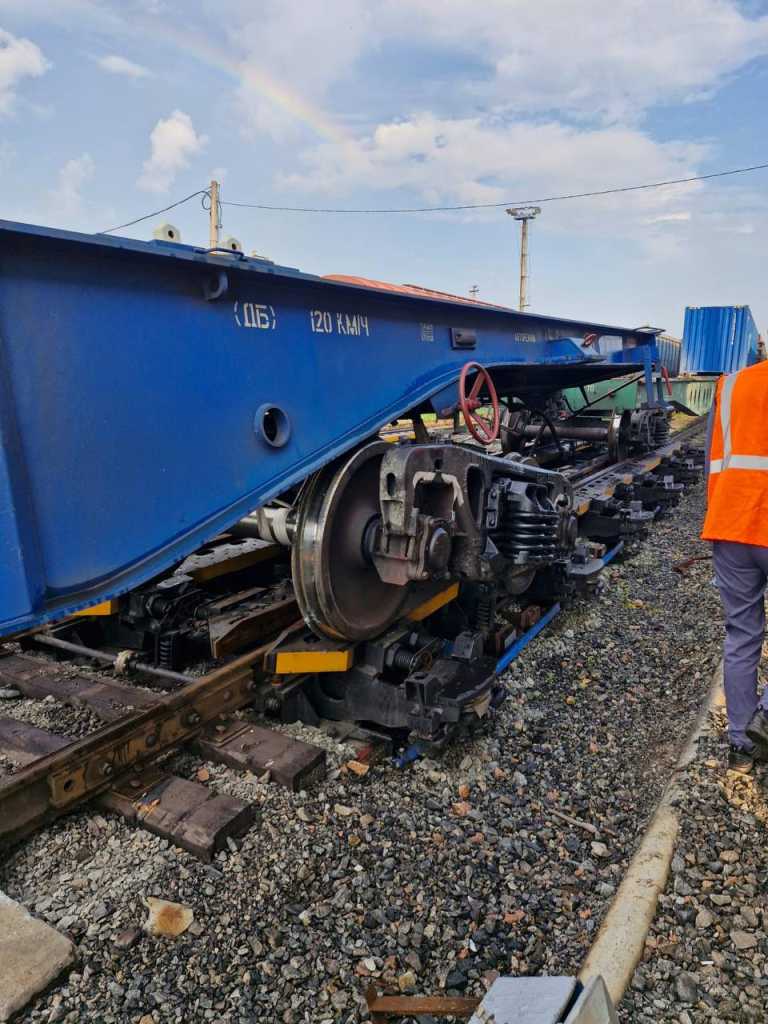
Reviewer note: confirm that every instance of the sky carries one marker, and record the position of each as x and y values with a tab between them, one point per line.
110	110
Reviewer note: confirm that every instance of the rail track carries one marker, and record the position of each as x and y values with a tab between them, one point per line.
118	763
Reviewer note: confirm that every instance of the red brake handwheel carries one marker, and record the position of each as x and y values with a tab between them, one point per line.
483	430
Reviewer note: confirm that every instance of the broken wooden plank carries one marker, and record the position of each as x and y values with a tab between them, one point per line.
185	813
290	762
24	743
231	628
220	559
37	679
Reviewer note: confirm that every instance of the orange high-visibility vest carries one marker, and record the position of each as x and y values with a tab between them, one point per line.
737	492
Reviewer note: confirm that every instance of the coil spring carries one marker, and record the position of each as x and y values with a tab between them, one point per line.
484	611
660	430
533	534
167	650
405	660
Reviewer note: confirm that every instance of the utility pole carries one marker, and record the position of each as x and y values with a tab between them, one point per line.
214	215
473	291
524	214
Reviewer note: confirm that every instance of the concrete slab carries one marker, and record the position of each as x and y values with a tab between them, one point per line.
32	955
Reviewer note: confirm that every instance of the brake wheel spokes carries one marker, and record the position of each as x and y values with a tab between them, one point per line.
483	430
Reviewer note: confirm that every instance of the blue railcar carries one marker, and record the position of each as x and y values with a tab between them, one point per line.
719	339
155	393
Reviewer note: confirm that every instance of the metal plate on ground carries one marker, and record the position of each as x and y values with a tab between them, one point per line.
593	1006
525	1001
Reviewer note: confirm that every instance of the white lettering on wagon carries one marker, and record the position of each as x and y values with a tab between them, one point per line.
255	314
322	321
519	336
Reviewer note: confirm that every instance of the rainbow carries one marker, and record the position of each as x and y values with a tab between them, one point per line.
216	56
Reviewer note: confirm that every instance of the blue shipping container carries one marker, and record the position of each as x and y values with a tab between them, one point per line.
669	353
718	339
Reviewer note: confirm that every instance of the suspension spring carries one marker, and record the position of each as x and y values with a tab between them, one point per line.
167	650
405	660
532	535
485	610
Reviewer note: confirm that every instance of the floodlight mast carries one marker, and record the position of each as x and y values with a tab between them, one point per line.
524	214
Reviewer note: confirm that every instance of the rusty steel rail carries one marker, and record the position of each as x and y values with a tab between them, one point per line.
57	782
639	463
383	1008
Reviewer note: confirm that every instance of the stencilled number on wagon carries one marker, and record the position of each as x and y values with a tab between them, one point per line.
324	322
321	320
255	314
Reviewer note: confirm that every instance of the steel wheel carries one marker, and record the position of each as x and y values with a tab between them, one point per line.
338	589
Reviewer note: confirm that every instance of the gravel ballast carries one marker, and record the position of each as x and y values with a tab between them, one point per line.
706	953
499	857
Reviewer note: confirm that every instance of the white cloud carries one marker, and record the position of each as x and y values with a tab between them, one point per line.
488	160
173	142
607	63
19	59
670	218
122	66
67	197
610	60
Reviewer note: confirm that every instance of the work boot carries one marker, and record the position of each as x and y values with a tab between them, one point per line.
740	759
757	731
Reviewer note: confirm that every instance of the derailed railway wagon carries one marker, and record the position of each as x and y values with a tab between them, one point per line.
202	452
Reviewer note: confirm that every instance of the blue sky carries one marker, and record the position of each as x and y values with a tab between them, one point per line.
109	110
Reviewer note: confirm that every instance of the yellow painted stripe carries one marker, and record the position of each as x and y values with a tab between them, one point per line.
423	611
288	663
394	438
105	608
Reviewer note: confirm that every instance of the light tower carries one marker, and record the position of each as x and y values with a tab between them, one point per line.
524	214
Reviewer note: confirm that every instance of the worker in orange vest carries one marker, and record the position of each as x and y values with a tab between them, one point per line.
737	523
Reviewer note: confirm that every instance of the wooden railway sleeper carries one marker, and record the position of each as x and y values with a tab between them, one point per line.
57	782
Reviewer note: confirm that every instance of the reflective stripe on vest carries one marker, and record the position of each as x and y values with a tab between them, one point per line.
729	460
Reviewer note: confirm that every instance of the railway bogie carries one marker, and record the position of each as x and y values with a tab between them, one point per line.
406	572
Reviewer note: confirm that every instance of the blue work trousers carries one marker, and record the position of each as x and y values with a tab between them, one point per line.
742	573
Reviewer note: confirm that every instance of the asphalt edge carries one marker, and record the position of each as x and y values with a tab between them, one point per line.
619	944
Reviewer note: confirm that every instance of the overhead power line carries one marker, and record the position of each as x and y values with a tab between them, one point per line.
443	209
156	213
492	206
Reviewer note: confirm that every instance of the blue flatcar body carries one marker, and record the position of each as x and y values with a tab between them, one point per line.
153	394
